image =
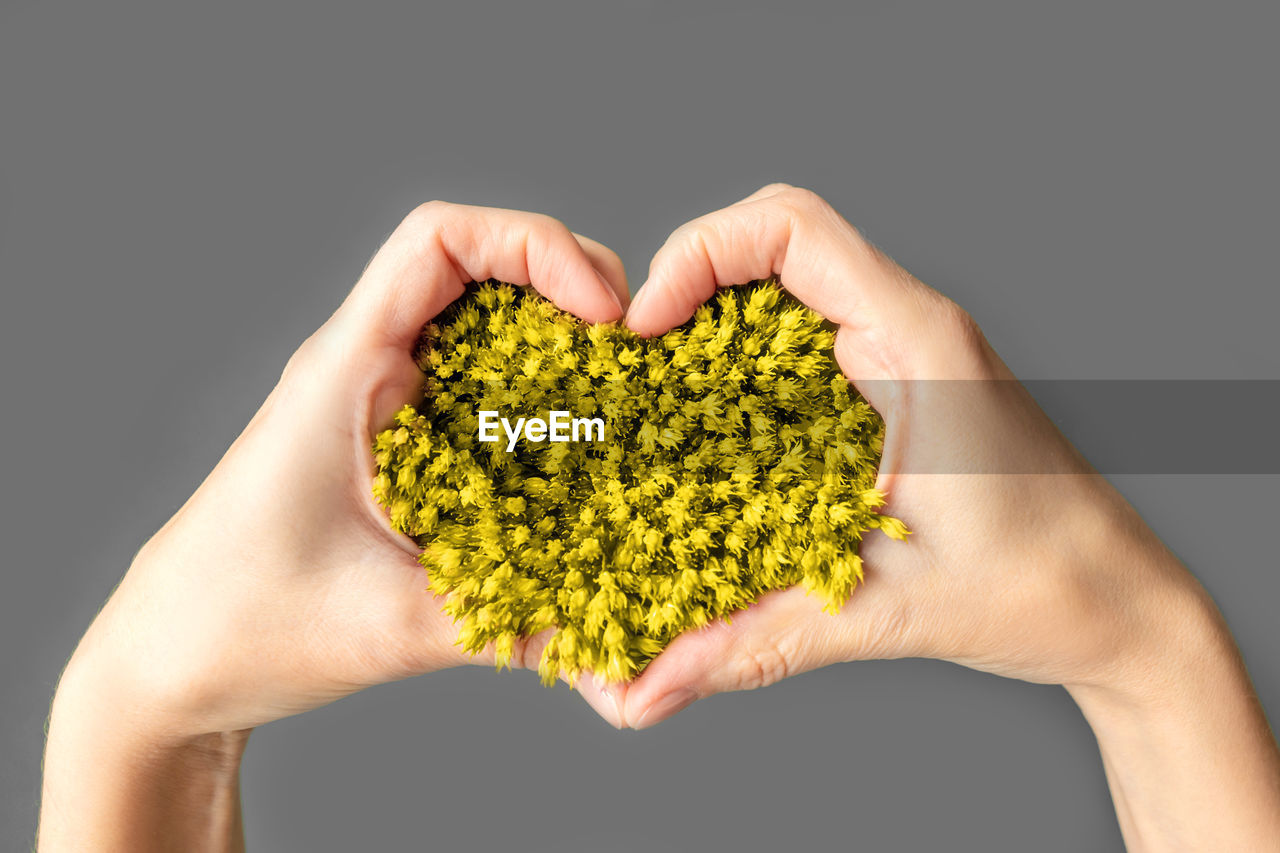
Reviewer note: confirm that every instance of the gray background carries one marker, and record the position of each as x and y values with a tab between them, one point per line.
185	193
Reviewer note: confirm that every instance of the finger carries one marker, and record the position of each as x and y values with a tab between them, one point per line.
761	645
606	699
439	247
608	264
776	231
419	637
784	633
767	191
818	256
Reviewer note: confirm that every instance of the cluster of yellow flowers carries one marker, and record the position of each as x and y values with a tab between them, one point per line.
736	460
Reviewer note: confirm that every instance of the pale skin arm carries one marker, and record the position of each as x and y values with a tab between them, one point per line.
279	586
1046	575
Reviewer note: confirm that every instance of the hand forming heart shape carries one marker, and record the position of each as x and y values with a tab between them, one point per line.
280	586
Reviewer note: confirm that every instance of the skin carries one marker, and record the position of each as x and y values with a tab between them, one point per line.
279	587
1023	561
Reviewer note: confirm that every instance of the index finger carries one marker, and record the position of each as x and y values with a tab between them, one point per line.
819	257
427	261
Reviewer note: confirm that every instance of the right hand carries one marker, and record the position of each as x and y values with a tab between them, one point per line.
1046	575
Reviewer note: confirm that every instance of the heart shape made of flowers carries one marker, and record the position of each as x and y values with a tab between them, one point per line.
672	480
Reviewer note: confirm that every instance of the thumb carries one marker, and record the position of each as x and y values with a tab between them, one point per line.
784	633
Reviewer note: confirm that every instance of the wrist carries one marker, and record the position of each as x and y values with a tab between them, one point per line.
114	780
96	701
1181	733
1180	650
1185	745
114	683
1144	627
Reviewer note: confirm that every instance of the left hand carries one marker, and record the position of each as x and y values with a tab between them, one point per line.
279	586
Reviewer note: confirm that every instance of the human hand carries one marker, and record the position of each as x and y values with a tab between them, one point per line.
989	487
1023	561
279	586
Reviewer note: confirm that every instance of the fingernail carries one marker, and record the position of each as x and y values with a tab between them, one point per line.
668	706
606	688
616	694
636	300
608	288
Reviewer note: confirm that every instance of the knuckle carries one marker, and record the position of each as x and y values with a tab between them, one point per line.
549	224
702	234
774	188
327	352
888	631
762	665
693	231
301	361
544	235
426	214
692	249
689	242
803	201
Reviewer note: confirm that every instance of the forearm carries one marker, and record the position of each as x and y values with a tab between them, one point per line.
1189	756
111	785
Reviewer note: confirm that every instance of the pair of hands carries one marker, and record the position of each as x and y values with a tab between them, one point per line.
279	586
